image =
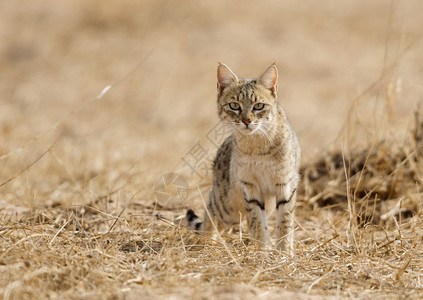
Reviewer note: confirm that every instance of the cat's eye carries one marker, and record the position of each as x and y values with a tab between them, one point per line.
234	106
258	106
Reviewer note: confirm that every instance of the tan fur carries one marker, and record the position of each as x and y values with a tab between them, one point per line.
258	162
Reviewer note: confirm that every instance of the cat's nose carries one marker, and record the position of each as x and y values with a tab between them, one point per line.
246	121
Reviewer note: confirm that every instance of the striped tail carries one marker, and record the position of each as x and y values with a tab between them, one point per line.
193	220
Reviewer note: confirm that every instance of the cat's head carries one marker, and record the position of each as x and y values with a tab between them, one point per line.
248	105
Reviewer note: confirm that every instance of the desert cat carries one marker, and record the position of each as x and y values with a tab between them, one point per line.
260	160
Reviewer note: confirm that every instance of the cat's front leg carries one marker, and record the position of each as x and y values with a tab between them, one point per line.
256	214
286	196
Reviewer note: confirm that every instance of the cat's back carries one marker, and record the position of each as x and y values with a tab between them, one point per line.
222	162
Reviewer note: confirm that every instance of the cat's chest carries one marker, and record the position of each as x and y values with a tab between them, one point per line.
259	169
257	162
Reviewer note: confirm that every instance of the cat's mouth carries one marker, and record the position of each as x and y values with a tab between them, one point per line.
247	130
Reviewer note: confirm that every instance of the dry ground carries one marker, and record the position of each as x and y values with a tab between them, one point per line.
79	169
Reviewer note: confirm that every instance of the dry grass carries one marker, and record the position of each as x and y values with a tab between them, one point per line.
376	176
79	168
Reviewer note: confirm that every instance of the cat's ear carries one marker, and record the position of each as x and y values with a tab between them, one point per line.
269	78
224	77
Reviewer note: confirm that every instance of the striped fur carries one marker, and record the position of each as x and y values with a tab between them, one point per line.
258	162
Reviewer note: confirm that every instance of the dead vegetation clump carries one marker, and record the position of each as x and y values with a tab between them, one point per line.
382	181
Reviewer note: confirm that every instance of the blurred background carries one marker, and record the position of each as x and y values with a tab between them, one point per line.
346	69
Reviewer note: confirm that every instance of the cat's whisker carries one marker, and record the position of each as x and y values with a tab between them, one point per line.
264	134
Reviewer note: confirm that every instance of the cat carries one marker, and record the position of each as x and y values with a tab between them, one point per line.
258	161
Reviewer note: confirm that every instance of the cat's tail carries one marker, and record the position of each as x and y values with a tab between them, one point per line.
193	220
